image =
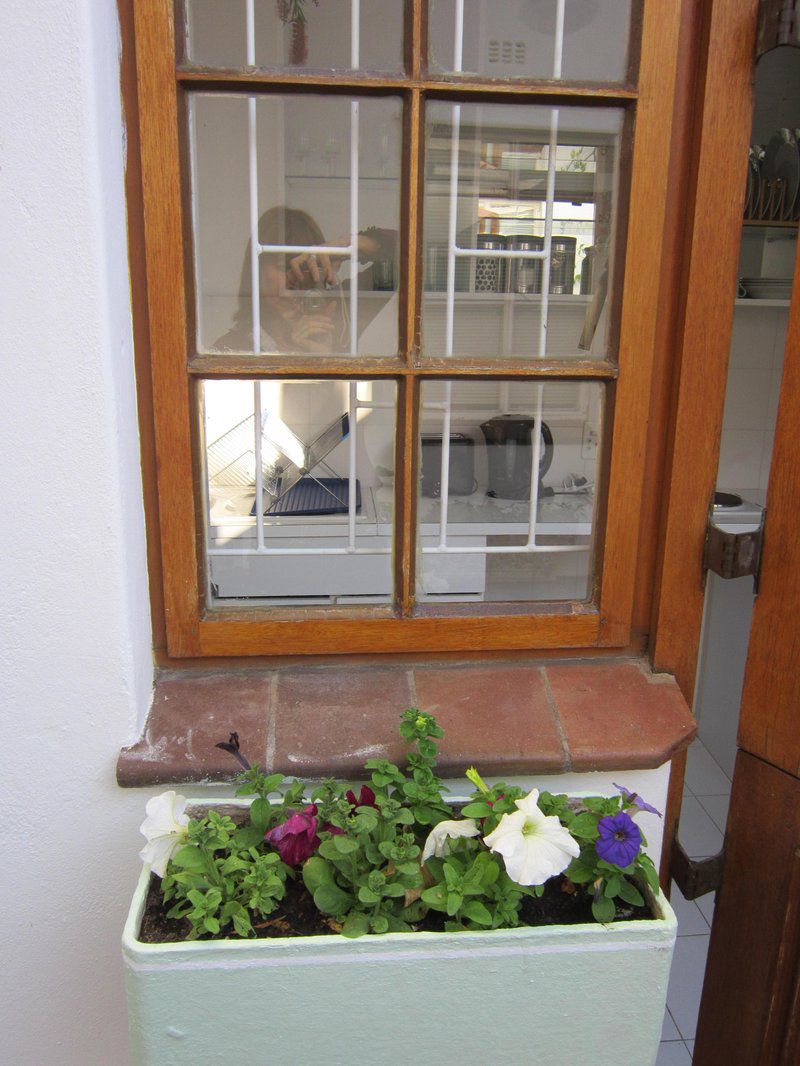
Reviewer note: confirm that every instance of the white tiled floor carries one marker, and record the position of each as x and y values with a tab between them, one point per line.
705	807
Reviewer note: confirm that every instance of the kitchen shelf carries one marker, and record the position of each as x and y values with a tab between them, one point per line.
748	301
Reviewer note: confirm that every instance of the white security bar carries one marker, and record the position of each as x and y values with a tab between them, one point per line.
502	549
302	551
307	249
352	419
355	34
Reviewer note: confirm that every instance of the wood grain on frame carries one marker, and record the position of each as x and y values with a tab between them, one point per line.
193	632
715	224
647	225
318	636
768	726
161	184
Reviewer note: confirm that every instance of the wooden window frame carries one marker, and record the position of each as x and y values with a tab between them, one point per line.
193	629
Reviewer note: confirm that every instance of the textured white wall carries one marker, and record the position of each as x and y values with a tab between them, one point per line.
76	663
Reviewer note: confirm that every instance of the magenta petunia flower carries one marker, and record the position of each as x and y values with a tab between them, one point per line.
366	797
296	839
620	839
635	799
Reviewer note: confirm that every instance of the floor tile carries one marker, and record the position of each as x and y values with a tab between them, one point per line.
704	776
672	1053
669	1030
690	919
706	905
717	808
690	1046
686	983
696	831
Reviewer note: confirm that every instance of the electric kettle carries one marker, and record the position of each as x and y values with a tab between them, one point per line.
509	453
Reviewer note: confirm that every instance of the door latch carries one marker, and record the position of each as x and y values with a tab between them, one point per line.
695	877
733	555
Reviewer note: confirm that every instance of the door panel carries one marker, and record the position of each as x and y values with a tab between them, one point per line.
751	975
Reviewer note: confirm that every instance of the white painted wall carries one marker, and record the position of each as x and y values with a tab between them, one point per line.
76	662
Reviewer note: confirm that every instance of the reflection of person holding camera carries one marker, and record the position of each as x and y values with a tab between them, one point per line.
303	308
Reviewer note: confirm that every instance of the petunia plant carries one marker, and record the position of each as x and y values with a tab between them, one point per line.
395	856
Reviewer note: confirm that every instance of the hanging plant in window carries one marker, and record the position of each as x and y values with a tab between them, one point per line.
292	13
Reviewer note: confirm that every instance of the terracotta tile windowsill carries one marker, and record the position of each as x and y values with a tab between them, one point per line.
314	721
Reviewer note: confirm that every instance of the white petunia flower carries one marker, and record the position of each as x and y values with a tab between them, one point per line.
437	842
534	846
164	828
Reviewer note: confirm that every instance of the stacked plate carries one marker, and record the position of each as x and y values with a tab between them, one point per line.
768	288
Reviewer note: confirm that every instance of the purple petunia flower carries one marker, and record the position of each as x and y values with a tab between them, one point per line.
636	800
620	839
296	839
365	798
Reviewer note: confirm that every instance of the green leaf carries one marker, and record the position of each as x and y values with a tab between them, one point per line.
585	826
344	845
404	817
316	872
211	924
630	894
477	912
393	889
454	901
355	924
247	836
613	886
330	899
380	924
272	783
366	895
603	910
328	849
241	923
476	810
435	897
189	858
260	810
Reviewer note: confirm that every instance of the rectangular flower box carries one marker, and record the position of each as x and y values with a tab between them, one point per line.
573	995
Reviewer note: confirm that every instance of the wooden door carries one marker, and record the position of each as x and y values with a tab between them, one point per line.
750	1009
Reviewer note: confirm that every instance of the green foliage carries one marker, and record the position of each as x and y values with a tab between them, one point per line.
365	871
611	886
221	877
472	888
363	878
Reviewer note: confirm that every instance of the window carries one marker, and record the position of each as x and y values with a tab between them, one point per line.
403	266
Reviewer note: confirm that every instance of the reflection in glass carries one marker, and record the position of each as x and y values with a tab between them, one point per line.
498	533
509	39
505	184
316	166
322	467
296	34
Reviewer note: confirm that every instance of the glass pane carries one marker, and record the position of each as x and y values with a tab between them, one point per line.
491	550
326	491
311	188
510	298
507	38
296	34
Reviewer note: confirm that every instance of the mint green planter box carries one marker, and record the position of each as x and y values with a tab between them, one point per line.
580	995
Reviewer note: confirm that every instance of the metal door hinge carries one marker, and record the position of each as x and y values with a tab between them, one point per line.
695	877
733	554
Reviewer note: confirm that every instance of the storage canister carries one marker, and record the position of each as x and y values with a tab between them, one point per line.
562	265
490	272
525	274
